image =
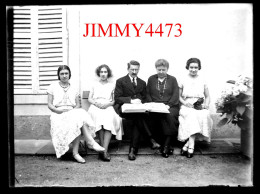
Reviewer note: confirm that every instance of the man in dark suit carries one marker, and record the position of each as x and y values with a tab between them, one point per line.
132	89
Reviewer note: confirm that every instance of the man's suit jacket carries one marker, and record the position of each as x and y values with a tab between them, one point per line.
125	91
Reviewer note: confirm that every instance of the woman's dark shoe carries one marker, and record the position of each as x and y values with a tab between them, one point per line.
155	145
184	151
104	156
190	154
165	152
171	150
132	153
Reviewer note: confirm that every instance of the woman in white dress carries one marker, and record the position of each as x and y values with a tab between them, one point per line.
107	122
68	120
193	123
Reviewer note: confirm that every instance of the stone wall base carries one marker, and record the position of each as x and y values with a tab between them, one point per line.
38	127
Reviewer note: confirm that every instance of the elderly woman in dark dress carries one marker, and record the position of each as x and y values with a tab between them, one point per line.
163	88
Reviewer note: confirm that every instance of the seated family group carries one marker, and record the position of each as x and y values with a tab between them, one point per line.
185	122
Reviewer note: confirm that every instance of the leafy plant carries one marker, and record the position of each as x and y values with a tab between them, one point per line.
235	103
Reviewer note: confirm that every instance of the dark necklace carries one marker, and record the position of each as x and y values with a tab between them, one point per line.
161	93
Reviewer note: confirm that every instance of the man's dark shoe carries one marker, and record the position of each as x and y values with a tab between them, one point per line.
132	153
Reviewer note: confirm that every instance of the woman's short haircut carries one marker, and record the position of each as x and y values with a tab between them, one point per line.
133	62
162	62
193	60
109	72
62	67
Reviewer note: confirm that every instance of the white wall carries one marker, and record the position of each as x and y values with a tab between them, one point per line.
220	35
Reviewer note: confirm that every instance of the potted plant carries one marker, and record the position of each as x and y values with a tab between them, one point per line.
235	106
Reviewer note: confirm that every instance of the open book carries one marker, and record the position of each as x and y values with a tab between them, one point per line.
146	107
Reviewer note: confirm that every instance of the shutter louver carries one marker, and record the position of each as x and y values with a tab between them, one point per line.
40	46
52	43
22	65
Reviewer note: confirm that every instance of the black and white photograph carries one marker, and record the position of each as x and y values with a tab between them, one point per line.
130	95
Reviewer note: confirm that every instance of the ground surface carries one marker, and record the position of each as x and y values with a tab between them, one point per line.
146	170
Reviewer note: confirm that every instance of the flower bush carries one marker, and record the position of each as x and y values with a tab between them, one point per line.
235	102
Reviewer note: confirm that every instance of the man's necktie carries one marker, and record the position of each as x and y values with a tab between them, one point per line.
134	84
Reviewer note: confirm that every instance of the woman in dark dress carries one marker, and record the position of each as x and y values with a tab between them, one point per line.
163	88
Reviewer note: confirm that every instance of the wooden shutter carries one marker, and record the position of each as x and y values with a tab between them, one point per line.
22	54
40	46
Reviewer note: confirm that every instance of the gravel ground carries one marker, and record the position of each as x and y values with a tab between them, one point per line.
146	170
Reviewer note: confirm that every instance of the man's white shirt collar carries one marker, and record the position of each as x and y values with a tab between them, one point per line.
131	78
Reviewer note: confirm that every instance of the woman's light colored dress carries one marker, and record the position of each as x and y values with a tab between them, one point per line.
107	117
66	127
194	121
